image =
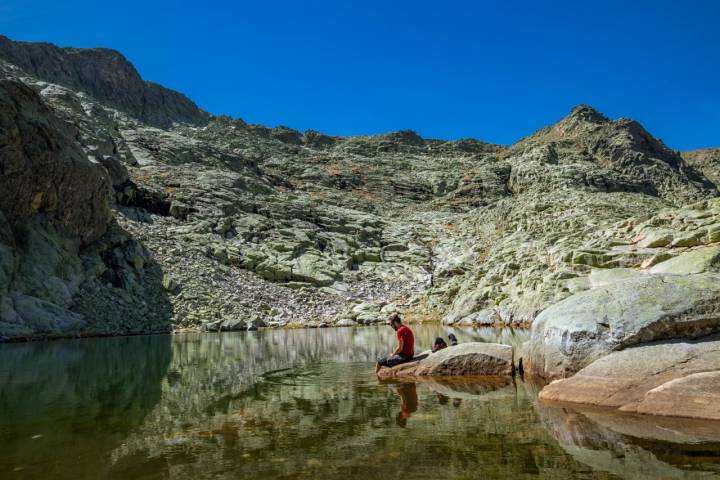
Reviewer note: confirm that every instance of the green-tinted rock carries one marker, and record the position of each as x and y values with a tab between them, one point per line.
656	239
586	326
692	239
698	260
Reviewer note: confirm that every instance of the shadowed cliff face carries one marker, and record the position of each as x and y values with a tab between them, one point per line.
45	173
106	75
58	236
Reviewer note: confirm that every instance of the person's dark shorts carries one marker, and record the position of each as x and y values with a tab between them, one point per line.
393	360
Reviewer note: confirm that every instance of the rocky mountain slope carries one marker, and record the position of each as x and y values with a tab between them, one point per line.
133	210
127	209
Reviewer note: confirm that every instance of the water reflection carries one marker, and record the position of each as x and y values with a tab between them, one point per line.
301	404
408	402
62	403
636	446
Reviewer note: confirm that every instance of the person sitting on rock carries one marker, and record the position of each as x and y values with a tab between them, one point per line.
453	339
439	344
405	350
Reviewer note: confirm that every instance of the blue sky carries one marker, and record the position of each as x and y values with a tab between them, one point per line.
447	69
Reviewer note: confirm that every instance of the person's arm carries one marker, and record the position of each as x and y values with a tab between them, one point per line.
401	342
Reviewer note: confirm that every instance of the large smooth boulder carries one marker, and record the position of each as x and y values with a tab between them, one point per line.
573	333
466	359
670	379
40	316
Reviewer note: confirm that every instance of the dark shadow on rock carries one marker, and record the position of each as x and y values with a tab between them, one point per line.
129	297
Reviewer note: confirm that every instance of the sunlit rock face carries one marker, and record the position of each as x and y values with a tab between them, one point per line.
677	378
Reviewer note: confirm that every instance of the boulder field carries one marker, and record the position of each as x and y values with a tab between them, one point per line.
127	209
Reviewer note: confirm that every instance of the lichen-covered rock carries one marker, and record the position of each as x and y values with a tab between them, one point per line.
242	215
699	260
577	331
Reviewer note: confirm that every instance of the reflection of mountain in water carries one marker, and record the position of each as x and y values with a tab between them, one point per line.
209	370
300	404
65	405
305	403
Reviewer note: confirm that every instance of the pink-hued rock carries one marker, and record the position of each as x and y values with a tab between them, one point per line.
670	379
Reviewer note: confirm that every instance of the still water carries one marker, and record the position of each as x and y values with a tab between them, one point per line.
305	404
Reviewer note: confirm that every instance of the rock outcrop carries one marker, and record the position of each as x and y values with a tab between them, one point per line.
465	359
707	160
43	173
577	331
106	75
676	378
58	239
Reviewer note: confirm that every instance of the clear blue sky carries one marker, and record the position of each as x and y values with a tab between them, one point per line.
448	69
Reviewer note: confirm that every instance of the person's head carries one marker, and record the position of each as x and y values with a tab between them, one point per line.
395	321
439	344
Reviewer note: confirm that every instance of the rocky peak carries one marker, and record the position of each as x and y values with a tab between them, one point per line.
588	114
315	139
286	135
582	116
106	75
405	137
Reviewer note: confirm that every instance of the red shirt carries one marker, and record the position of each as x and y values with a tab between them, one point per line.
406	335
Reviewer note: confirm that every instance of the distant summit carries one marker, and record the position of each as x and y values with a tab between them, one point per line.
588	114
106	75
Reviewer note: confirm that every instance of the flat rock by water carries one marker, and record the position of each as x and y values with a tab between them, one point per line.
670	379
466	359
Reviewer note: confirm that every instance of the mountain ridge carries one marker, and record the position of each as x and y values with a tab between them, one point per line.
107	75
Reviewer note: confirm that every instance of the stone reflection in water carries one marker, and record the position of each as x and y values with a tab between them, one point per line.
636	446
318	411
66	405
